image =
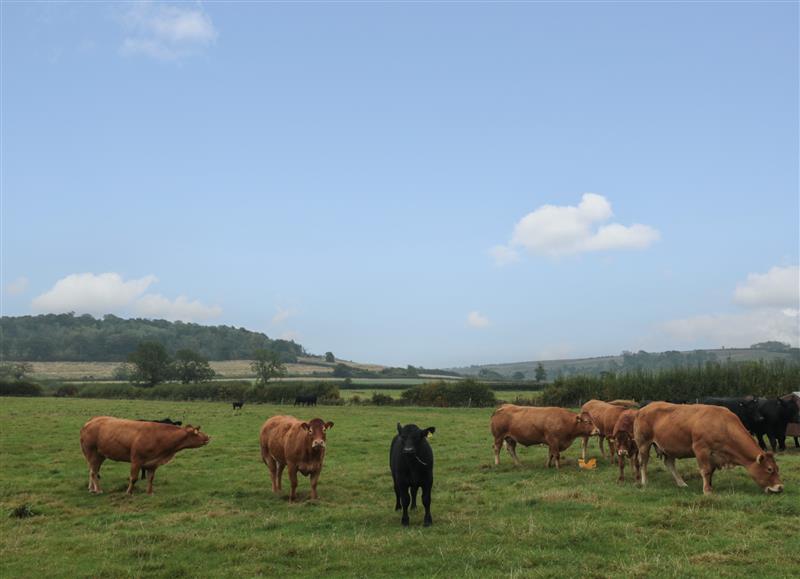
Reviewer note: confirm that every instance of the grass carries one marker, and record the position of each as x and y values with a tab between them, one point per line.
213	514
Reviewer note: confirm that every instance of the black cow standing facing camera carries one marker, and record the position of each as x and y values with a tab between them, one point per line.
411	462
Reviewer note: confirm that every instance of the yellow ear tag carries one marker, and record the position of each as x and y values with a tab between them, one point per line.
430	435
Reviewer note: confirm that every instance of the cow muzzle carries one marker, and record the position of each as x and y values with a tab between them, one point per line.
622	452
774	489
318	444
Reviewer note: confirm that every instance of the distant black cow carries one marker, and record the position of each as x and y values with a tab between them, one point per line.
306	400
747	409
411	462
162	421
777	413
238	405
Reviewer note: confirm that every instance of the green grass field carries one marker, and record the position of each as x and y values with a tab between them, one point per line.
213	514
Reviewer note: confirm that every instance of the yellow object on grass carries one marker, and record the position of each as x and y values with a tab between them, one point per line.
589	464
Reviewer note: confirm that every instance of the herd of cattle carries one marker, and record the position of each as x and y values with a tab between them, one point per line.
716	431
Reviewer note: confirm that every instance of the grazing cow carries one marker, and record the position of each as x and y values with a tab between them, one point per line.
146	445
238	405
626	446
777	413
411	463
306	400
604	416
712	434
746	409
287	441
162	421
527	425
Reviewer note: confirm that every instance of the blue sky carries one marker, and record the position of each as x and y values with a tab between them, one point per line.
431	184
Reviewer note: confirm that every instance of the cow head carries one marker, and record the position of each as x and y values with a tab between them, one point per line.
412	438
750	411
584	425
626	446
195	438
789	410
316	430
764	470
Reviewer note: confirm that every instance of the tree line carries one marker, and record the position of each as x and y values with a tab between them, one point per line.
67	337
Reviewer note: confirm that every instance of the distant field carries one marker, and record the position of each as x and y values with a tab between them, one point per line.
213	514
366	393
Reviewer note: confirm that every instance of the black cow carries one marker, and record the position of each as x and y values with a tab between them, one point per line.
746	409
777	415
238	405
306	400
162	421
411	462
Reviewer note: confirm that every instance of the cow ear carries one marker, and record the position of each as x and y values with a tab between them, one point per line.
328	425
430	430
399	429
760	458
197	428
304	425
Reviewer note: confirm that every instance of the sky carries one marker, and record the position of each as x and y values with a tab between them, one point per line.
436	184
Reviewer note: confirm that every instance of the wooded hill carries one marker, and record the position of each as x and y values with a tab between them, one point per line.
67	337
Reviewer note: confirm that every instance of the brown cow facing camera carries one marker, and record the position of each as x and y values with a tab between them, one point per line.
287	441
526	425
712	434
626	445
604	416
146	445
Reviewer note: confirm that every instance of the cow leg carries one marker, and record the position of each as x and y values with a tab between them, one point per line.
797	441
670	463
426	502
635	463
314	479
279	476
293	480
135	468
773	441
602	450
612	450
94	473
497	447
782	442
273	472
511	445
621	463
151	474
644	457
398	493
584	444
761	442
405	499
414	489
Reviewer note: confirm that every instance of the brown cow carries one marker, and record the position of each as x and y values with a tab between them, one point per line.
287	441
604	416
626	446
526	425
712	434
146	445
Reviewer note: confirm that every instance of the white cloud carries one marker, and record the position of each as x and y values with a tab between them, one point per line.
503	255
17	286
181	308
740	329
779	288
106	293
562	230
282	315
476	320
167	32
87	293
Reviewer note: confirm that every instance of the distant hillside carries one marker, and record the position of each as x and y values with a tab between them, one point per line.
67	337
636	360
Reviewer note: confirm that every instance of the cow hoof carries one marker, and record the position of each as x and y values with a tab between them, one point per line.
398	508
427	523
683	485
404	522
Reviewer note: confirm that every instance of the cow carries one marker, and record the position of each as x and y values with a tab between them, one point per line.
713	435
288	441
626	446
306	400
237	405
162	421
527	425
746	409
411	463
793	428
604	416
777	413
146	445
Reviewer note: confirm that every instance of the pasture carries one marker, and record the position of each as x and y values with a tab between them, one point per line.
213	514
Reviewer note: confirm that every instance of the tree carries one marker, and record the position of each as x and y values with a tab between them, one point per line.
342	371
541	374
267	365
17	371
192	367
518	376
329	357
151	364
